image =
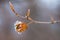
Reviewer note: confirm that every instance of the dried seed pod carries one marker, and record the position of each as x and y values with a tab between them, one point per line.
20	26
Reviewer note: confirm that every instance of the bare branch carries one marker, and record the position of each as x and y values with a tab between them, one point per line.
44	22
27	16
34	21
51	22
12	8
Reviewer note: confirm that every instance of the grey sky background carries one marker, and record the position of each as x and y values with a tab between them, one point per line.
41	10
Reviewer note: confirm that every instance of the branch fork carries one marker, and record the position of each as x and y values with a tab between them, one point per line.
27	16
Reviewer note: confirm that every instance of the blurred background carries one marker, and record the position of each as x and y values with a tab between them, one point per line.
41	10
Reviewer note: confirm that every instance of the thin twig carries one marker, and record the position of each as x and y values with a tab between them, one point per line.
27	16
13	10
34	21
